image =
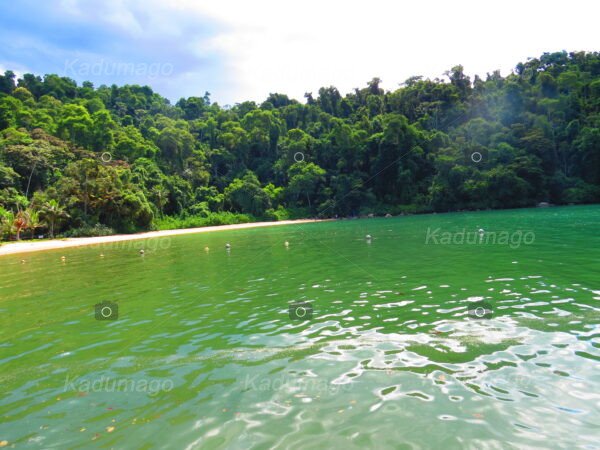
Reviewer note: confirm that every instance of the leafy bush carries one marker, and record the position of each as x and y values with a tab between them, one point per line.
277	214
88	230
212	219
299	213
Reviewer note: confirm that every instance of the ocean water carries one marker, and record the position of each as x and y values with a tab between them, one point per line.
466	330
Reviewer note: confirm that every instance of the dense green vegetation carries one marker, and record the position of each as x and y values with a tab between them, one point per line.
82	160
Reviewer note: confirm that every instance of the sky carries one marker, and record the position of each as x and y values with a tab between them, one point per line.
242	50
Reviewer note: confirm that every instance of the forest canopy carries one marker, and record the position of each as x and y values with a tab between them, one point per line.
84	160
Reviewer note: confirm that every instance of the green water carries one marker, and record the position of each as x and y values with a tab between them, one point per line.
204	353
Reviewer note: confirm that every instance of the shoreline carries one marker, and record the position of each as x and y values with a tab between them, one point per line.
17	247
14	248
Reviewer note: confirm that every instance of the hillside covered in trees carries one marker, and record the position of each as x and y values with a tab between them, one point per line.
80	160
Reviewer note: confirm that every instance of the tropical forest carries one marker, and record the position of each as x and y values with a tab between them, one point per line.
84	160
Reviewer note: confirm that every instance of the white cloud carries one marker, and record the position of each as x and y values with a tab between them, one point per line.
244	49
280	46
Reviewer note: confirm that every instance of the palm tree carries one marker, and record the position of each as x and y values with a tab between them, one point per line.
162	196
20	222
6	221
52	212
34	221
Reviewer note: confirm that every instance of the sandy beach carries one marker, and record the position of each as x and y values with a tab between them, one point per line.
12	248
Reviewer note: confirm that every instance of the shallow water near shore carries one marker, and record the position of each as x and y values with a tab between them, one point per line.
204	353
